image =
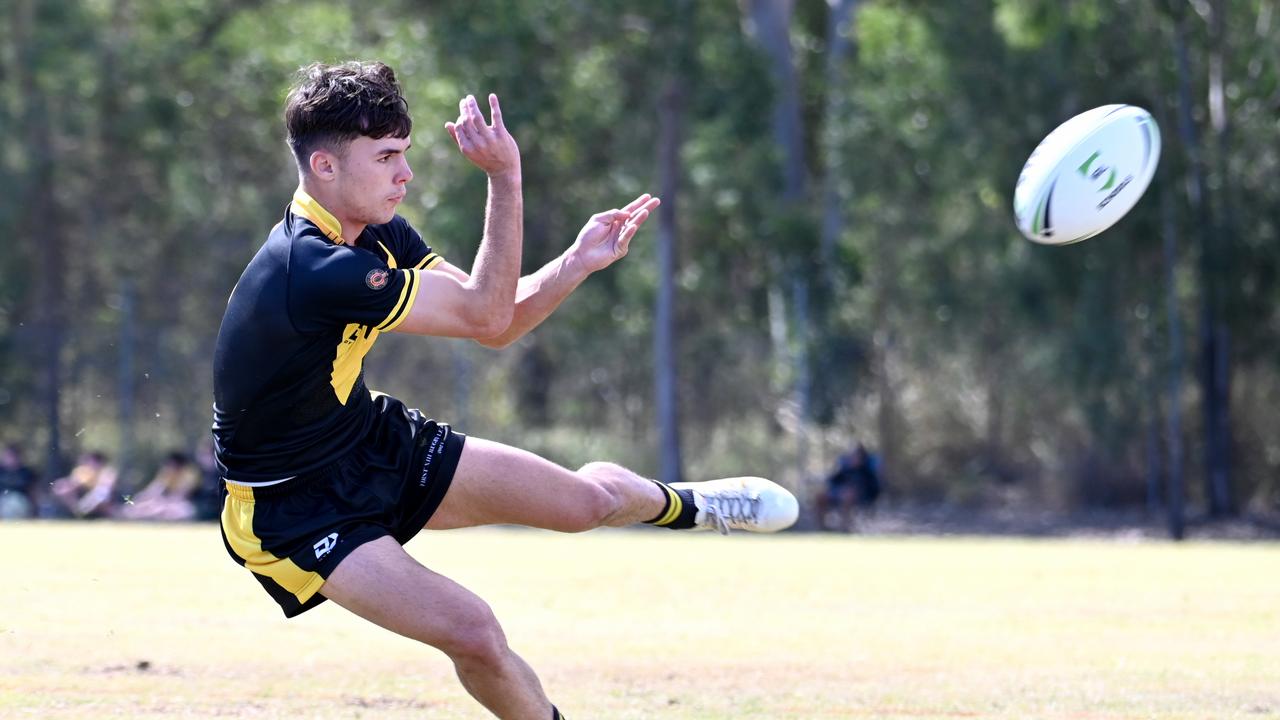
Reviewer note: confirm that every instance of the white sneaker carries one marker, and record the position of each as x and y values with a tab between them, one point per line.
742	503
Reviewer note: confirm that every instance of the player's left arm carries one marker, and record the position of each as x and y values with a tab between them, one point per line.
605	239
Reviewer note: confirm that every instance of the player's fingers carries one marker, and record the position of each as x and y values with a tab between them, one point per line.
651	204
477	117
624	240
635	204
466	136
453	133
465	117
637	219
495	112
608	217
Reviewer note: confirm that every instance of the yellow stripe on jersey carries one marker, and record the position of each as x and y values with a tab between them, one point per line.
408	295
391	259
428	262
237	523
357	340
306	206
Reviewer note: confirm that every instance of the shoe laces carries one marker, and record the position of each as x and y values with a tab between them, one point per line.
740	508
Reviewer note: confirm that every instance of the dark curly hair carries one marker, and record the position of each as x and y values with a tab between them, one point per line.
331	105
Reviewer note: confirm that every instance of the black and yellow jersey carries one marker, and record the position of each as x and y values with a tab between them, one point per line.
289	392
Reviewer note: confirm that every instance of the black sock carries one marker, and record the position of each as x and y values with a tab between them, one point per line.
555	714
678	512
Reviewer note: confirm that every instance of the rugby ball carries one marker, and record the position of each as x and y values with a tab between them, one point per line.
1086	174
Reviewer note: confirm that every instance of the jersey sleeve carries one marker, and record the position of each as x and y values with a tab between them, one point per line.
343	285
410	249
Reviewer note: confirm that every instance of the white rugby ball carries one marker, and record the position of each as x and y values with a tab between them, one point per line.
1086	174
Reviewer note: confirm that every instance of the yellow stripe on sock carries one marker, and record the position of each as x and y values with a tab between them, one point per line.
677	506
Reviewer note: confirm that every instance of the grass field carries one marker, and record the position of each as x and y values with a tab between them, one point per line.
113	621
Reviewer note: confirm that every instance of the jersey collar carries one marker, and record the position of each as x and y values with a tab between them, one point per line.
306	206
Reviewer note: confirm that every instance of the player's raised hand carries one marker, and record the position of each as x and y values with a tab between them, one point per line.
488	146
607	236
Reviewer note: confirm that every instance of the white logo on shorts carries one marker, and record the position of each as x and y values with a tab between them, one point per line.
326	545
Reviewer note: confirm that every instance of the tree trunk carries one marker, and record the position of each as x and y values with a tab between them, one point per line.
803	389
126	384
1173	429
664	337
534	389
42	219
1218	490
1209	291
115	207
834	194
769	23
463	374
886	394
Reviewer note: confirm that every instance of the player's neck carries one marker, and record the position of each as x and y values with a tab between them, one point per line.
332	203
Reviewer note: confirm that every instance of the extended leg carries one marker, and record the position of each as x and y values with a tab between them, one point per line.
500	484
380	582
496	483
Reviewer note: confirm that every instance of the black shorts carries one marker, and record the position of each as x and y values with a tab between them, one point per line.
292	535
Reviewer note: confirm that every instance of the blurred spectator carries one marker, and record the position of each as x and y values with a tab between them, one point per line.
208	498
89	491
18	486
169	494
854	483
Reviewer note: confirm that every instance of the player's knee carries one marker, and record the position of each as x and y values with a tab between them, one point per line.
594	499
476	639
591	507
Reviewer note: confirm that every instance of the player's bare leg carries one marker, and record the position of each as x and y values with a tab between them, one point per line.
500	484
380	582
496	484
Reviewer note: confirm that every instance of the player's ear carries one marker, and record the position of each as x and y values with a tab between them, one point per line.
323	165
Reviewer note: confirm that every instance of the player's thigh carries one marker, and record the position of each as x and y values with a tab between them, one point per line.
499	484
381	583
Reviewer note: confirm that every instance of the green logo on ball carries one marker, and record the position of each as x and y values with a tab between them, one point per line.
1097	173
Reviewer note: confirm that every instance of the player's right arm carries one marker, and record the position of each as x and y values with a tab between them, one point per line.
480	305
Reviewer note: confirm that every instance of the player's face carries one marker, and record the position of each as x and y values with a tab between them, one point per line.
372	178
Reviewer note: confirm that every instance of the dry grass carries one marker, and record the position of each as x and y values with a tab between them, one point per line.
114	621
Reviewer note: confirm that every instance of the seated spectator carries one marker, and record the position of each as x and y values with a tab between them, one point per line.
855	483
18	486
169	494
89	491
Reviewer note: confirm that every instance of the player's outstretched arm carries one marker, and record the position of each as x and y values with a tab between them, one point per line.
602	241
480	304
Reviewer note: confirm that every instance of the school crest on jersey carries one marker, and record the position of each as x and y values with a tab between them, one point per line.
377	279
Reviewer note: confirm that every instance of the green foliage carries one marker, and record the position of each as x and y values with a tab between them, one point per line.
1000	361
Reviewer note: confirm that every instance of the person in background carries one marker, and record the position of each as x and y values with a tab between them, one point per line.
169	494
89	490
854	483
18	485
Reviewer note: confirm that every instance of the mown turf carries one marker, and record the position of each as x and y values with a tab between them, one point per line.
115	621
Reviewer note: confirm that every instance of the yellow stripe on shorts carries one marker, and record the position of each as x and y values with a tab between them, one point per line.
237	523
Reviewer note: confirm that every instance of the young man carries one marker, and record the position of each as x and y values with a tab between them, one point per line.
325	480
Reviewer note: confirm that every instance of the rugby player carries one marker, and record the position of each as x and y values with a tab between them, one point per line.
326	480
